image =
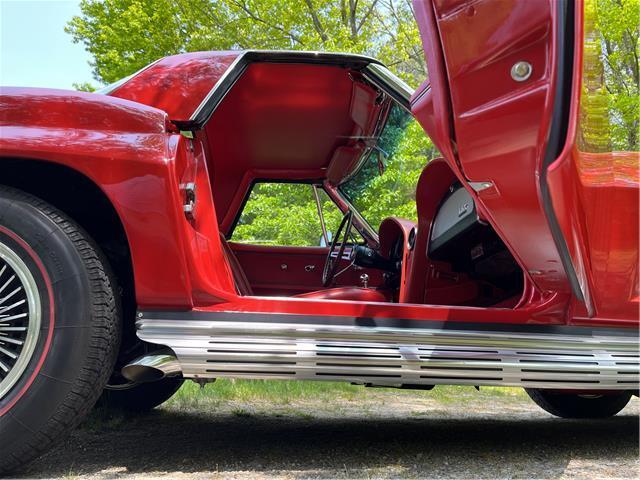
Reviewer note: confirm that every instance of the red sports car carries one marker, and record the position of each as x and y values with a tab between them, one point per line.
136	248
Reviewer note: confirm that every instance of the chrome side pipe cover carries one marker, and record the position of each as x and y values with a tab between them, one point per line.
152	367
216	346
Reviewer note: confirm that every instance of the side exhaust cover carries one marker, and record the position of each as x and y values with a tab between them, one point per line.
152	367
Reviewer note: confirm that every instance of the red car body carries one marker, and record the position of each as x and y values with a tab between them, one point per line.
213	120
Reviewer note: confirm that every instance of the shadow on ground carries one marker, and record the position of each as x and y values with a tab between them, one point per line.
290	446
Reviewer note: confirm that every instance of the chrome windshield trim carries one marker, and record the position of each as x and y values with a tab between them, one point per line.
391	84
316	197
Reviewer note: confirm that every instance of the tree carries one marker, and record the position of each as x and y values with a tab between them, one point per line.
84	87
285	214
393	192
125	35
611	76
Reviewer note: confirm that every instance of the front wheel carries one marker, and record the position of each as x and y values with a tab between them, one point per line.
574	405
59	326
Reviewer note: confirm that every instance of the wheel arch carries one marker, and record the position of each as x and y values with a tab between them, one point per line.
77	196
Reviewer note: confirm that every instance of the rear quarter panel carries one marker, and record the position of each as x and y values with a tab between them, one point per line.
126	150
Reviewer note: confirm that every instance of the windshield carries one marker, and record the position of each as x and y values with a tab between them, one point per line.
407	149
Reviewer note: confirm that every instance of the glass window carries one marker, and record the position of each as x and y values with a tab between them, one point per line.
385	184
286	214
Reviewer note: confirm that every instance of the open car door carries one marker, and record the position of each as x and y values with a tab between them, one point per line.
503	104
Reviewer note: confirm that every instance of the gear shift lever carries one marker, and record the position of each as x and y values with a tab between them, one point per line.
364	278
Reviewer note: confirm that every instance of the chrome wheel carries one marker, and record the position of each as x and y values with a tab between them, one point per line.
20	318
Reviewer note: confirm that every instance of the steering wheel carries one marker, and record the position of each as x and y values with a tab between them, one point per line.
332	261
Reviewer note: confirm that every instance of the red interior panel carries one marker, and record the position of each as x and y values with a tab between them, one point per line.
277	117
499	125
265	269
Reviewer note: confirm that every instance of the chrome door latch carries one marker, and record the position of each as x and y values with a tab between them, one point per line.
190	199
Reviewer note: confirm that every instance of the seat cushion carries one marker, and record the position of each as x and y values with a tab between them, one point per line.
357	294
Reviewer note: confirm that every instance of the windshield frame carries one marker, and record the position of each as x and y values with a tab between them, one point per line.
366	229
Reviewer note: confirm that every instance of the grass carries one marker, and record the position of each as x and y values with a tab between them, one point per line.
285	392
280	392
245	398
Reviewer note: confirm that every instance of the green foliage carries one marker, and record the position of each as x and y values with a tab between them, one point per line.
392	193
285	214
333	394
84	87
611	83
125	35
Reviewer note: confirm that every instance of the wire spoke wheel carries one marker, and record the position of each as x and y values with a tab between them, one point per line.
20	318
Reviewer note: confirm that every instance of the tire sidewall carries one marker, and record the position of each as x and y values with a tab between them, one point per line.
142	397
574	405
66	329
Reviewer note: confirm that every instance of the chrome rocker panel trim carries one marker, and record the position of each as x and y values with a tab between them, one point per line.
211	348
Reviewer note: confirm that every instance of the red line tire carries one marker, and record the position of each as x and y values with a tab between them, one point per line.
79	327
573	405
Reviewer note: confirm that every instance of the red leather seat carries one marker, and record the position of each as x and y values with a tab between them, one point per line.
432	185
243	286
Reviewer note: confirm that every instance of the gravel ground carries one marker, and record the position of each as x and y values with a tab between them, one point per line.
380	435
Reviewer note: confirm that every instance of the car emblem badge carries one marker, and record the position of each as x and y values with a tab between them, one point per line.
463	209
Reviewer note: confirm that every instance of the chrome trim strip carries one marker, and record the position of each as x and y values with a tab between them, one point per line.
480	186
396	356
203	112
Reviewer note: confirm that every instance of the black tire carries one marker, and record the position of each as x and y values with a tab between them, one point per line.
573	405
141	397
79	329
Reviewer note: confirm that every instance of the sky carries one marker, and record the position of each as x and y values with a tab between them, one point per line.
34	49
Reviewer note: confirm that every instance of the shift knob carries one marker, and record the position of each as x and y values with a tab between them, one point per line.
364	278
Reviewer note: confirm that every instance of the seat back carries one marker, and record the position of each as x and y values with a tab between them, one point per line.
435	180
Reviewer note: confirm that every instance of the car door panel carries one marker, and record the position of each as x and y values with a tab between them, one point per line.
498	124
287	271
